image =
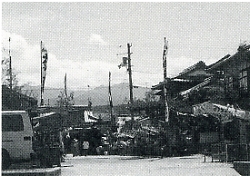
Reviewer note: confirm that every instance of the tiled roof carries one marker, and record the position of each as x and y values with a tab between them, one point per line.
219	62
199	65
228	58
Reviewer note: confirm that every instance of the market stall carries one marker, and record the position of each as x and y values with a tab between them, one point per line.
48	142
234	134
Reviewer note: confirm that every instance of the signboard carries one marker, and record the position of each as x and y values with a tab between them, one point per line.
209	137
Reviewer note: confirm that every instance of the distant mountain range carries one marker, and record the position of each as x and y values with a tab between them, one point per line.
98	95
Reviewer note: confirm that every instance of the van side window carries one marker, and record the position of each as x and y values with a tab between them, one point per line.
12	123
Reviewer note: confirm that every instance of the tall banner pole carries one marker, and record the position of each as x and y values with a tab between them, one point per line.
111	102
165	51
44	60
41	103
65	85
10	73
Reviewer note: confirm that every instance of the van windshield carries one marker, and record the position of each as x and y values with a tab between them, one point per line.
12	123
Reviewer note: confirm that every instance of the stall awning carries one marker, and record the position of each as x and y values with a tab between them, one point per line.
93	117
158	92
238	113
150	129
224	113
123	135
44	115
197	87
47	121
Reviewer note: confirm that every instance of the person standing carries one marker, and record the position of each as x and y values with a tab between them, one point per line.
75	147
85	147
67	143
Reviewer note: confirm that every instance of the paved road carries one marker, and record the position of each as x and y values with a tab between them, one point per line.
134	166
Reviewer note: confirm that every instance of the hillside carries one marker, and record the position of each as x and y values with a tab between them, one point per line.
98	95
120	95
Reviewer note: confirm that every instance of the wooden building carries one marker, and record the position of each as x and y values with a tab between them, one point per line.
231	77
234	74
14	100
73	115
226	84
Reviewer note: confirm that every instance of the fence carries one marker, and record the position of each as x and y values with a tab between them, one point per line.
230	152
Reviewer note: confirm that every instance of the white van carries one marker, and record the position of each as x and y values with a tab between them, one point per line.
17	137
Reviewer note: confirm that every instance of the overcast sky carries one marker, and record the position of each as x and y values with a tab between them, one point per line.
83	39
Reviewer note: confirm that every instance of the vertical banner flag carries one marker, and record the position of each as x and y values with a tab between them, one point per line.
165	50
89	99
110	96
44	60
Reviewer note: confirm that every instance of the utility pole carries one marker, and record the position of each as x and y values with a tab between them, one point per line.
127	61
130	82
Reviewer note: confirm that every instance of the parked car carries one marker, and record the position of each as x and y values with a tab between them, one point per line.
17	137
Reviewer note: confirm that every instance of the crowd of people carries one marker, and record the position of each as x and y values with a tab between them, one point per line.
92	142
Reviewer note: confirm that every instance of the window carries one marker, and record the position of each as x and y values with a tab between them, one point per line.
12	123
230	82
244	81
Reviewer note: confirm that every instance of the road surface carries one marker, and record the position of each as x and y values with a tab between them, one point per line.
108	165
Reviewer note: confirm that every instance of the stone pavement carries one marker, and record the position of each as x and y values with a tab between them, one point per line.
134	166
33	172
25	168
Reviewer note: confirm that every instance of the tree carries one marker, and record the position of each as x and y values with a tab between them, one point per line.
64	100
150	97
153	104
6	71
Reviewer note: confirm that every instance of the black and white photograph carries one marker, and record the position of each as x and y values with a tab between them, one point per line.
125	88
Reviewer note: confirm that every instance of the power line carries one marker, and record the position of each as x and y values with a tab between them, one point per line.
81	88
